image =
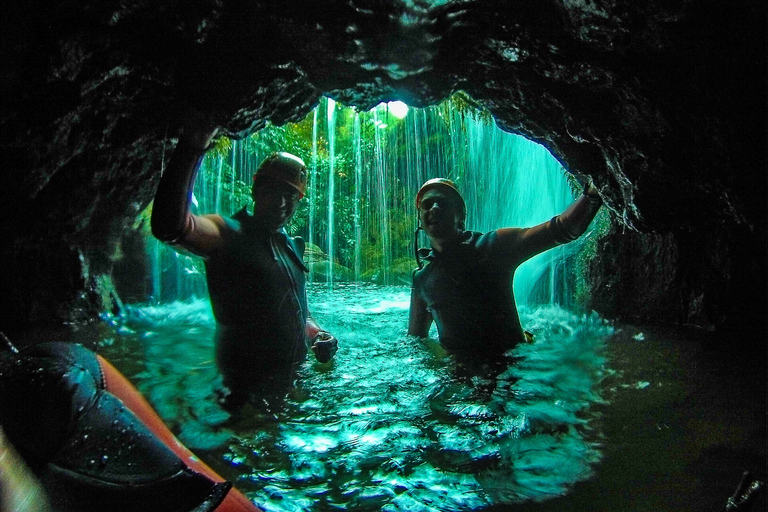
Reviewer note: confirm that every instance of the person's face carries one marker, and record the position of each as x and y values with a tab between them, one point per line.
275	203
440	214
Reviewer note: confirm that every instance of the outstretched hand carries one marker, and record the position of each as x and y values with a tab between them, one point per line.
198	131
324	345
590	190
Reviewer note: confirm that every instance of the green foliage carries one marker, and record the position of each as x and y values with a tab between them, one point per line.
600	227
142	221
462	103
221	147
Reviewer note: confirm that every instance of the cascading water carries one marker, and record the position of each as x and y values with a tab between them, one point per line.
358	198
526	188
380	172
311	189
364	171
331	185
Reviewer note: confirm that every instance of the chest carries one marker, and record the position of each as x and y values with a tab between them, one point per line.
467	276
256	262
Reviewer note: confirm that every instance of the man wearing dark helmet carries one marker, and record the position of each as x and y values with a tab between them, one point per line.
466	285
255	271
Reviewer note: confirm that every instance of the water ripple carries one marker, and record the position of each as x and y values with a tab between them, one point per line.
391	425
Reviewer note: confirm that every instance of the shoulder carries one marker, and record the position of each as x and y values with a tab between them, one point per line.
296	246
295	243
501	245
480	242
419	274
225	225
237	223
241	217
299	244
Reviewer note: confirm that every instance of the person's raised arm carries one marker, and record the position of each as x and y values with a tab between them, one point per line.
419	318
172	221
575	220
561	229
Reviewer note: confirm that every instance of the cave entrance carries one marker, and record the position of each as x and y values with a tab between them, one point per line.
358	217
395	422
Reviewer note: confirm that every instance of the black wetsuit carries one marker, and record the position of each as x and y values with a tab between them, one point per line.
467	289
257	286
89	451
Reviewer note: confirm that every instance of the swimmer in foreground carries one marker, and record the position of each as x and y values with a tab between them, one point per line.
466	285
255	271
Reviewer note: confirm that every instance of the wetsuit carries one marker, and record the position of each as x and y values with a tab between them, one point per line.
256	282
467	288
94	443
467	291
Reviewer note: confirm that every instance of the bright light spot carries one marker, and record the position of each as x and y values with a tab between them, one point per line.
382	306
318	444
398	109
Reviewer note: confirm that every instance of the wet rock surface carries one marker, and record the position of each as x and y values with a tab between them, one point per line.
662	104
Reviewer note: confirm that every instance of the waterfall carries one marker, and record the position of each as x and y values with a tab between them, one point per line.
363	214
526	188
358	198
380	177
155	250
312	191
331	185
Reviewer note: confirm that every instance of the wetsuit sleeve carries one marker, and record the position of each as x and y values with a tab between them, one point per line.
575	220
419	318
172	221
521	244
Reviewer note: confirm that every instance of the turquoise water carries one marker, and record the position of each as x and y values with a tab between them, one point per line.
395	423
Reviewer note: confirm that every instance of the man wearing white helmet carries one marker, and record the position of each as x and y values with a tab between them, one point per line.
466	285
254	270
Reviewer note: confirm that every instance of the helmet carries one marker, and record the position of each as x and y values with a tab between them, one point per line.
444	184
286	168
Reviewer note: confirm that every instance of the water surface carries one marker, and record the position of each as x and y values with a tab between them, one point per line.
395	423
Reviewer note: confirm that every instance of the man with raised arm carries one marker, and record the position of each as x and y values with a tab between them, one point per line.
466	285
255	271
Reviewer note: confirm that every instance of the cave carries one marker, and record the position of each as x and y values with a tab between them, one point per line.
660	104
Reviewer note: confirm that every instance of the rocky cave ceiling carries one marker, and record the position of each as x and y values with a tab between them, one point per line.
662	103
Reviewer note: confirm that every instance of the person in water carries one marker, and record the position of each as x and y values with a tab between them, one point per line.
255	271
466	285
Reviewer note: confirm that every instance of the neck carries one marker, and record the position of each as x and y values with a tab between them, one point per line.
443	243
263	224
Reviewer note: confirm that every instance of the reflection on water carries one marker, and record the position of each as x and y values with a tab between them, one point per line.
395	423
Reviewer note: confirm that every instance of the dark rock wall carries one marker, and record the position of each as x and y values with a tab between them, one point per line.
705	280
661	103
